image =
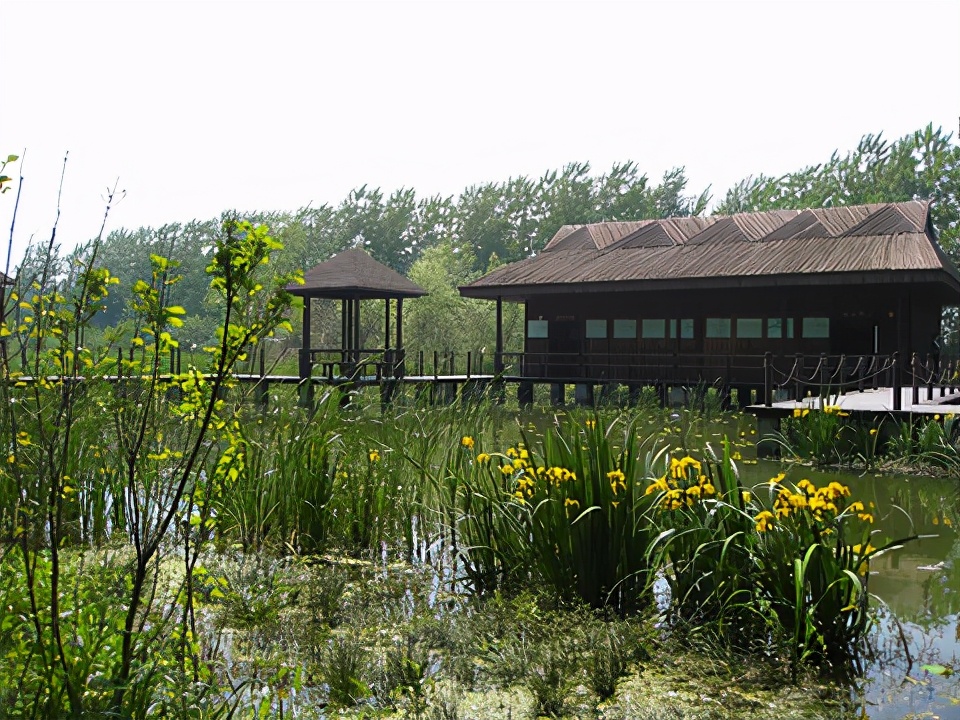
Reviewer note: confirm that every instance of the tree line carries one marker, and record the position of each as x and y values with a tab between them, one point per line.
443	242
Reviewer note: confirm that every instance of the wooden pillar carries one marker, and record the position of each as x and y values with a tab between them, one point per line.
768	379
306	369
387	352
344	329
558	394
386	323
356	330
498	354
305	349
400	352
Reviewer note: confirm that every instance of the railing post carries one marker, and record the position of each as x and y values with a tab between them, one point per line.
896	383
797	368
469	361
929	367
914	385
824	382
768	379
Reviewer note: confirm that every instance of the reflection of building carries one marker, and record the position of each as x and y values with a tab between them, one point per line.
612	300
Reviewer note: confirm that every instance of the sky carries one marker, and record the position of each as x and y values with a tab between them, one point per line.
188	109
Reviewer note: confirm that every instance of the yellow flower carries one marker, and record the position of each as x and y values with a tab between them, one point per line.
868	518
506	469
746	496
616	478
659	485
483	458
708	488
873	431
467	442
947	521
681	468
764	521
806	486
571	502
776	480
616	475
373	456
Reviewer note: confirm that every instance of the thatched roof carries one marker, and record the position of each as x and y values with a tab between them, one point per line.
891	242
353	274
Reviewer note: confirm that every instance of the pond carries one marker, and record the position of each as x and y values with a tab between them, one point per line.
918	588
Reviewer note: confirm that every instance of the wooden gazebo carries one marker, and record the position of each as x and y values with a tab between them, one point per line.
352	276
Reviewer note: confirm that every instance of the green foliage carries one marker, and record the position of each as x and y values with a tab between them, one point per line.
344	667
91	460
704	545
567	509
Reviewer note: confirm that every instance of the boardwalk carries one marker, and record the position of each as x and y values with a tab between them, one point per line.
879	401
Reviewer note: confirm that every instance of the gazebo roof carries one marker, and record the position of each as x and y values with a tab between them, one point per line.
354	275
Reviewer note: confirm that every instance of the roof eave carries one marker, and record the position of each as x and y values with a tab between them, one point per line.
519	293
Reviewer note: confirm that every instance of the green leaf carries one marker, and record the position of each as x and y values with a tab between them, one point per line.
12	158
936	669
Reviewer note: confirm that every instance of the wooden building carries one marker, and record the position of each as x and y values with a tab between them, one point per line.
704	298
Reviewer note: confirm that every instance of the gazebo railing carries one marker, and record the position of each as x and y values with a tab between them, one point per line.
339	364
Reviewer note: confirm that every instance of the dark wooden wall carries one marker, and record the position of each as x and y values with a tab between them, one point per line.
902	318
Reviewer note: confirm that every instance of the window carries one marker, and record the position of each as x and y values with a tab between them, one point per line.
816	327
790	328
596	329
749	328
718	327
654	329
686	329
774	327
625	329
537	329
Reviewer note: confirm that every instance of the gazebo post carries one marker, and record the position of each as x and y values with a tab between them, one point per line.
399	371
387	355
306	369
498	354
344	331
356	331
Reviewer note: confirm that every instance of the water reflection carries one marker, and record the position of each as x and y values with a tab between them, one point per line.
918	585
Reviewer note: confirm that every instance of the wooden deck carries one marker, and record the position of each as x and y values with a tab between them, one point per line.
879	401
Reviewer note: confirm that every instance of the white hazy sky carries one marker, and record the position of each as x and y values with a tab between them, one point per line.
198	107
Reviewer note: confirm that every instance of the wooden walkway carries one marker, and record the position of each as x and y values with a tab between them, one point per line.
875	402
